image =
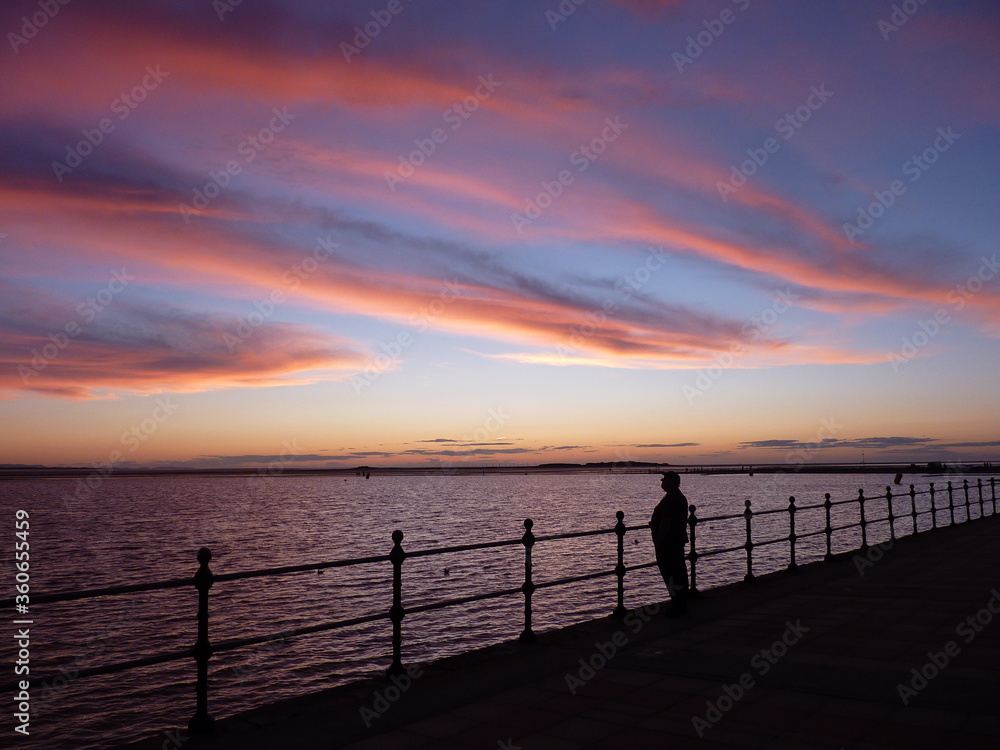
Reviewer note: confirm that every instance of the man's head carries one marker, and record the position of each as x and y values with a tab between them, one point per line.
671	480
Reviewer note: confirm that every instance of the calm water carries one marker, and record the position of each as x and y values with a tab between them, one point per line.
145	529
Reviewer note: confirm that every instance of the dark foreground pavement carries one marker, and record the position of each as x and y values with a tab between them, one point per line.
822	658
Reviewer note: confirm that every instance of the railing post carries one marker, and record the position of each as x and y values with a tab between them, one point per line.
934	525
864	521
827	504
979	487
202	722
692	526
951	503
748	545
913	508
620	610
792	565
993	493
396	612
892	518
965	489
527	635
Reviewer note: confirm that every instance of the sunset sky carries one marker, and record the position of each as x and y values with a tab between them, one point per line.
407	233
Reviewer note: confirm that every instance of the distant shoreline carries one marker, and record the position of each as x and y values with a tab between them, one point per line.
908	469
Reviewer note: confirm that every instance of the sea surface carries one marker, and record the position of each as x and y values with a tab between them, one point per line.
136	529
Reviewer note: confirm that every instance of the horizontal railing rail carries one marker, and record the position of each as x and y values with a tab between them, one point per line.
971	497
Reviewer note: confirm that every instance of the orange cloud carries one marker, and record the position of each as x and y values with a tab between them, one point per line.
119	224
156	351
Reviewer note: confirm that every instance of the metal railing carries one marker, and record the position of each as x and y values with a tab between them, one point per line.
203	580
891	517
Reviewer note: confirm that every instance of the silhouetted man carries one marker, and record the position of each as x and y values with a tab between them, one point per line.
669	528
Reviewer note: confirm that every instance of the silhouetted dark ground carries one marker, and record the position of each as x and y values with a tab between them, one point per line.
850	642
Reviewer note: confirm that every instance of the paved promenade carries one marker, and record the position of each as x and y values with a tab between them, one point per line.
823	658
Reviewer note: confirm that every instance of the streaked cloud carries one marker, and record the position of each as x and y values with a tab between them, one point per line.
54	349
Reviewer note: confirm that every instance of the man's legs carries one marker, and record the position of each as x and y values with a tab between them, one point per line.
673	568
